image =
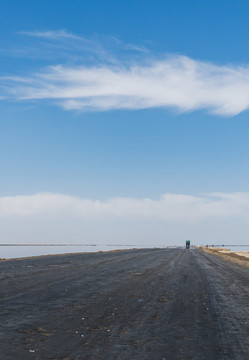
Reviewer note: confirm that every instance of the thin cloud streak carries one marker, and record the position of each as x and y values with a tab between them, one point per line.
59	34
170	208
178	82
68	47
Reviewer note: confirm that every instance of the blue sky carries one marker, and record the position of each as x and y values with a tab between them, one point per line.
125	100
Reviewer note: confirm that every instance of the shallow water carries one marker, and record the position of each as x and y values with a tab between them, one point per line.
8	252
239	248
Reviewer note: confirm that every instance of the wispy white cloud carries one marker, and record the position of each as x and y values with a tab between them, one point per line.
110	41
57	218
177	82
64	46
59	34
169	208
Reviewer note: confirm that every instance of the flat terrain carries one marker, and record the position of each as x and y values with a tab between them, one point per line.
137	304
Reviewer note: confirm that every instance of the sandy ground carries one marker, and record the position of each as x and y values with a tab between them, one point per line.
139	304
238	257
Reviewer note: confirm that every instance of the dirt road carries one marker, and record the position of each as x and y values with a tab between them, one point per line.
137	304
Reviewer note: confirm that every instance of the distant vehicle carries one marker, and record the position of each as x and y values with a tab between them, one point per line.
187	244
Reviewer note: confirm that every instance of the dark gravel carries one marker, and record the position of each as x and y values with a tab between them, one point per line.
150	304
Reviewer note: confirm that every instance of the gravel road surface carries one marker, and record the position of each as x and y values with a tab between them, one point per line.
156	304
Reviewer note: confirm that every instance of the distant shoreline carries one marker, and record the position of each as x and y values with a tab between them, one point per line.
51	245
66	245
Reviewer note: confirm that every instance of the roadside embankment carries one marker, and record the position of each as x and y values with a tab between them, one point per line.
238	257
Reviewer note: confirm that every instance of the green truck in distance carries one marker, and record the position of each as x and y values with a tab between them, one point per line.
187	244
